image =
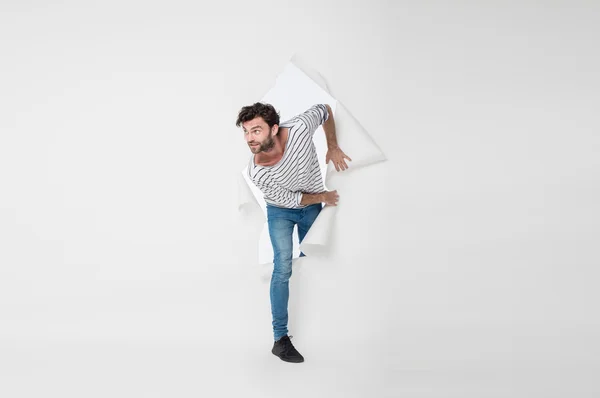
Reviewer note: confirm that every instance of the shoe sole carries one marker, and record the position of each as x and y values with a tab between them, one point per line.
289	360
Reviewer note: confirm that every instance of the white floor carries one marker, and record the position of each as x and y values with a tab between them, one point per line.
388	367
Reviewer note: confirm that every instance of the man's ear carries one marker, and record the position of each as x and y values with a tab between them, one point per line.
275	129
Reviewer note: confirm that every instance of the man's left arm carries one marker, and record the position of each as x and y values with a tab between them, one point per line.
334	153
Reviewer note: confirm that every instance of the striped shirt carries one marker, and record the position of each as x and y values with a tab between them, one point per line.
298	171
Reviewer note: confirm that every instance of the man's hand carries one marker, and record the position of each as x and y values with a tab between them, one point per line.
330	198
336	155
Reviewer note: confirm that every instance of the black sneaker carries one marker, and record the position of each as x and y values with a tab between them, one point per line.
284	349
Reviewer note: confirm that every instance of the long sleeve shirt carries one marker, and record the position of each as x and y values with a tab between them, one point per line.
298	171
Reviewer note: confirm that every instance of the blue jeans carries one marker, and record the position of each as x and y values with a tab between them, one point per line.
281	228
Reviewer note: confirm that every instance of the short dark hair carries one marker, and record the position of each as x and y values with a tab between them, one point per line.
266	111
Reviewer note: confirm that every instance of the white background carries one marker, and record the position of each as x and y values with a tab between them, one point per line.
464	266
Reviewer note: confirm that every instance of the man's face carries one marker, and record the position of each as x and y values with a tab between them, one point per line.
258	135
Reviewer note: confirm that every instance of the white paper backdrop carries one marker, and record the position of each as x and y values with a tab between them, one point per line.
465	265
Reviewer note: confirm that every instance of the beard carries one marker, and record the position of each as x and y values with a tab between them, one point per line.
266	145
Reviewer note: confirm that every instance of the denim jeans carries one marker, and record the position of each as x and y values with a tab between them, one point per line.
281	223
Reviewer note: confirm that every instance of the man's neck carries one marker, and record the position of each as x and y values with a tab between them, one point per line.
275	154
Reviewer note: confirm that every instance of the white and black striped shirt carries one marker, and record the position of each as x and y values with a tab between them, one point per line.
298	171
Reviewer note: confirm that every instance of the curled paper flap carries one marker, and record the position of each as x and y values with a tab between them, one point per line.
316	240
354	140
245	196
313	74
309	88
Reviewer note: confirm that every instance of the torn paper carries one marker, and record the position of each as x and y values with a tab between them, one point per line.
296	89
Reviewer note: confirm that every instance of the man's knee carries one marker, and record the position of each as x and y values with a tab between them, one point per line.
282	276
282	269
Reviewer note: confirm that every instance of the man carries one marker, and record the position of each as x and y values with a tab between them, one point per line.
285	167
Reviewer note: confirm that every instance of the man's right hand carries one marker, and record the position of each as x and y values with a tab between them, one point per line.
331	198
